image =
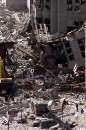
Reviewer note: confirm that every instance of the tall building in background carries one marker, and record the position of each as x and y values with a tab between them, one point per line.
61	15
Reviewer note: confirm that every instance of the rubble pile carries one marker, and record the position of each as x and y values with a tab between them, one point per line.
31	59
33	71
12	24
22	56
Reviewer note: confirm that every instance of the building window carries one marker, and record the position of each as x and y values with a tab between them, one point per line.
60	47
71	57
67	44
81	43
82	48
47	6
69	7
69	1
77	8
77	1
70	28
48	26
69	50
83	1
25	6
83	54
38	3
78	23
39	20
47	21
47	0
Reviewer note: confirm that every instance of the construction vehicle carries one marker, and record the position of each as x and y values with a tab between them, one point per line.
6	82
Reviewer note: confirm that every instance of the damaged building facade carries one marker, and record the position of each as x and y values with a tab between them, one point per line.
62	17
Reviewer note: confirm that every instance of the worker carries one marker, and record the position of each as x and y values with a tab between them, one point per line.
77	107
64	104
1	67
82	110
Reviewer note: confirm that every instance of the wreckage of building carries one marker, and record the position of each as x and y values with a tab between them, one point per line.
42	80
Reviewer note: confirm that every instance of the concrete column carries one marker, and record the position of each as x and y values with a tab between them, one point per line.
54	16
58	16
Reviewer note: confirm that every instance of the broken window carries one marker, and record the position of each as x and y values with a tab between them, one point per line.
39	20
71	57
38	3
47	6
81	43
77	8
60	47
67	44
77	1
82	48
47	21
48	25
78	23
69	50
69	1
69	7
70	28
47	0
